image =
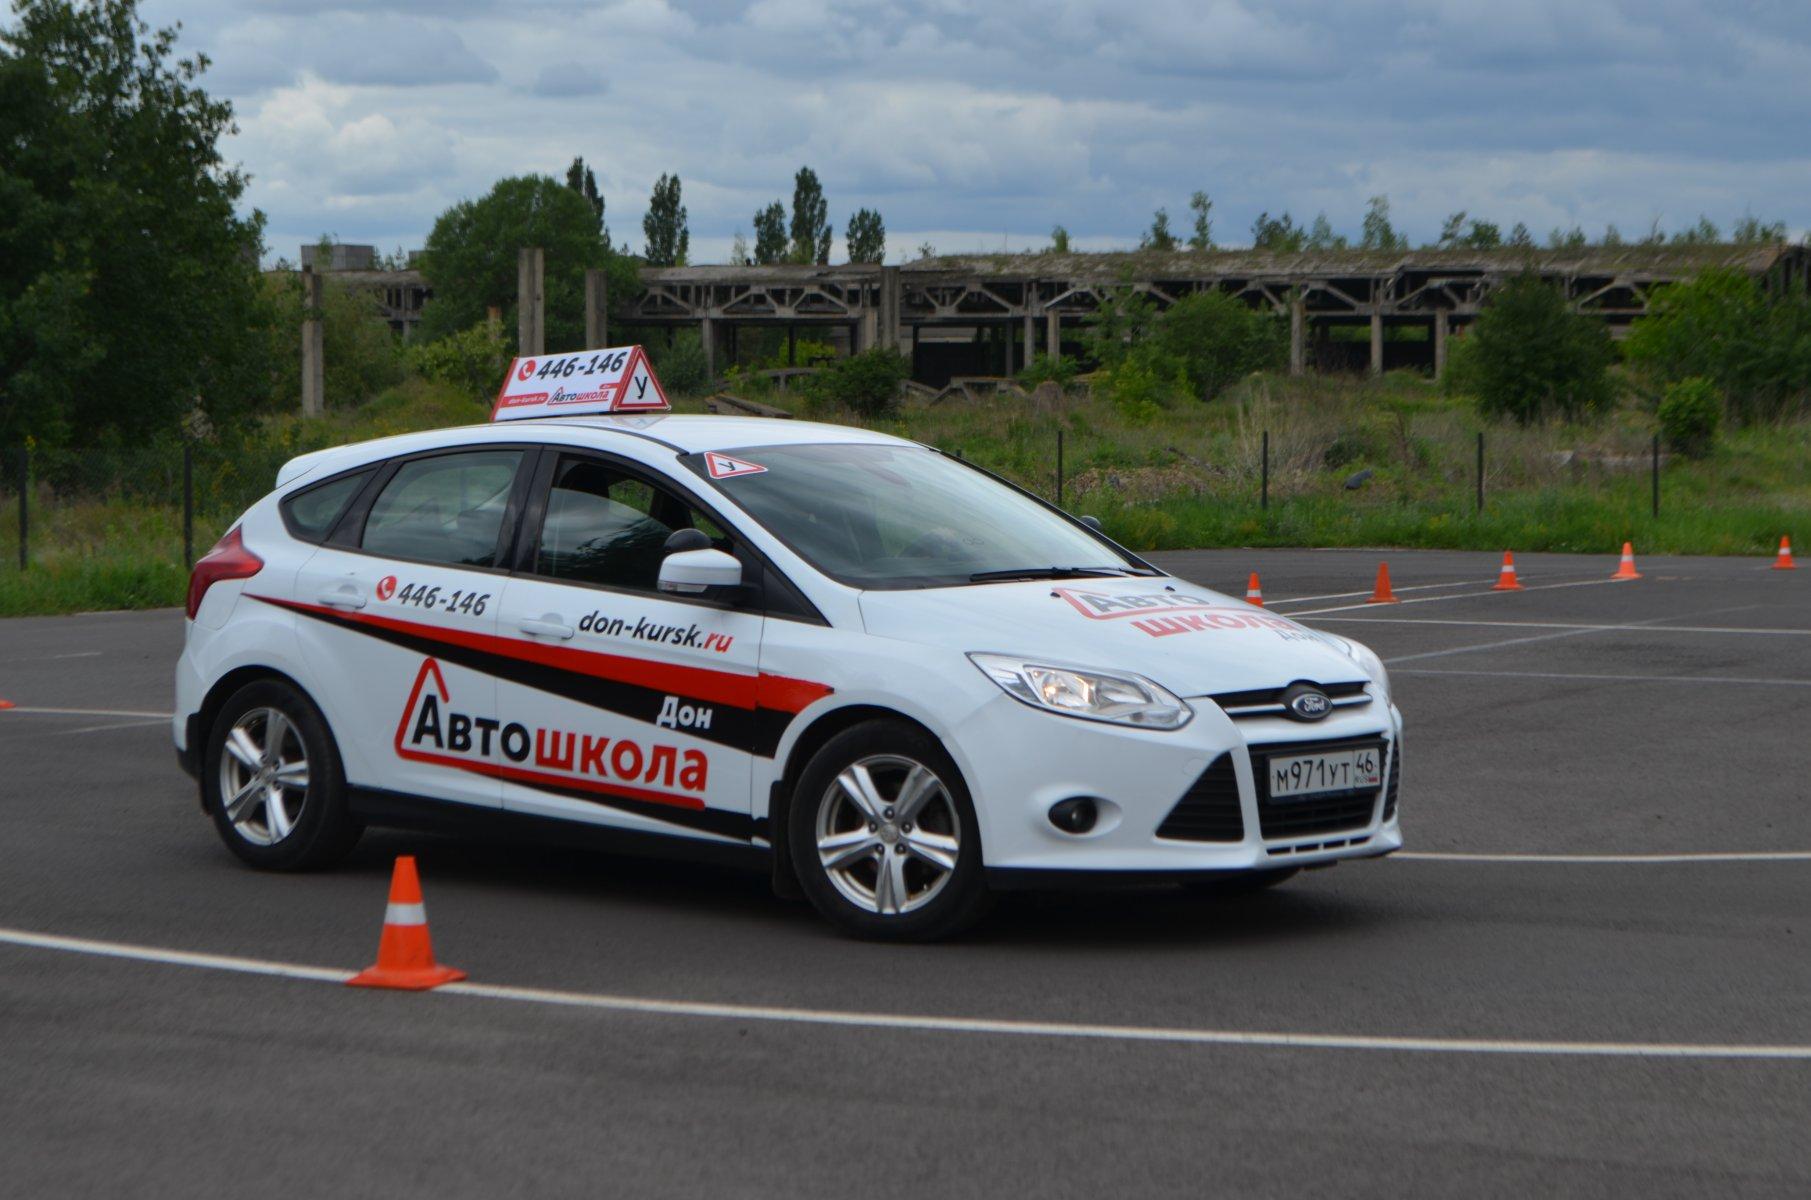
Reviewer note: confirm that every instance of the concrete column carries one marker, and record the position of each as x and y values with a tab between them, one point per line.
1006	350
1031	338
1053	332
1439	343
1376	340
531	301
597	308
889	307
707	335
314	361
867	330
1298	336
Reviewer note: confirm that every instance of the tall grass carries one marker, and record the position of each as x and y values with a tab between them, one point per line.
1188	478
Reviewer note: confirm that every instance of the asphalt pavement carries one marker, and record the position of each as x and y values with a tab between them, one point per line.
1588	973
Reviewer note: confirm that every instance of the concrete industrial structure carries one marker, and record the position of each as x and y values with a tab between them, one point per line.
1347	309
962	315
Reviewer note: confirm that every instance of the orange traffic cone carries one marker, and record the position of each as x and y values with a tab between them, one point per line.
1627	569
1382	593
1506	580
1253	593
6	704
1782	563
405	958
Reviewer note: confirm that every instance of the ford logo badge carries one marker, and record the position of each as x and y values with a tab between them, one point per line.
1306	702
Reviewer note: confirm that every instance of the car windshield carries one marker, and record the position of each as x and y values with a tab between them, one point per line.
878	516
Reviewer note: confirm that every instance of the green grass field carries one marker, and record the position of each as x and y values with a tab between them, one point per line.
1189	478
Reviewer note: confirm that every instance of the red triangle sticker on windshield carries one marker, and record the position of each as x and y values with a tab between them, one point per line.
722	466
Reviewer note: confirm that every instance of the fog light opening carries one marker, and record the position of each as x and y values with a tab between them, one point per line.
1076	815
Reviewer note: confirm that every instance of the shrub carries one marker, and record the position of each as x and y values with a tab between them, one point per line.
1530	356
1049	368
1689	414
1218	339
1754	348
472	360
1145	383
681	366
865	383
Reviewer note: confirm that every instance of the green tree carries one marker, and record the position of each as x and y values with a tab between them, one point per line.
770	234
811	232
1202	207
867	383
580	179
1612	237
360	358
1379	234
1217	339
1751	230
1529	356
1567	239
1689	414
1520	238
664	226
1321	235
1452	233
1158	237
1059	240
1280	234
1483	235
470	259
128	282
867	237
1704	233
1720	325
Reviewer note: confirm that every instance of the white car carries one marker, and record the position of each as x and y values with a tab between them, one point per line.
889	677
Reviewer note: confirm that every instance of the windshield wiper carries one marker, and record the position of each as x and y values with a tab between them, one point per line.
1046	573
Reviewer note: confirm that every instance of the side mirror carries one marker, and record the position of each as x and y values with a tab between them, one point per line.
693	572
1092	522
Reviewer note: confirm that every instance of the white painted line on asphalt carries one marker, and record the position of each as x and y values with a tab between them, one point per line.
1712	856
1727	679
1380	620
933	1024
22	710
1549	637
110	725
1539	587
1418	587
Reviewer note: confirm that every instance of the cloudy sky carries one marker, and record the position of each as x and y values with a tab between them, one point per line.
980	124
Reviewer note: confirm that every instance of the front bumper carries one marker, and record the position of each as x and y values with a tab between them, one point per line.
1139	777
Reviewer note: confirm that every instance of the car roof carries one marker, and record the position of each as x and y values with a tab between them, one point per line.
683	433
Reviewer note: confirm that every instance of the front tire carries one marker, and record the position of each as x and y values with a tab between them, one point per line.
884	838
272	781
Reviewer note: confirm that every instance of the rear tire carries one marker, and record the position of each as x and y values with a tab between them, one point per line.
271	780
883	835
1239	883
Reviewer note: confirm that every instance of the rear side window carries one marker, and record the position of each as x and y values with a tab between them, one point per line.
310	513
446	509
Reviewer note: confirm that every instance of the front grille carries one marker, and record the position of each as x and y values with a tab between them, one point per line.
1393	783
1318	814
1268	702
1209	810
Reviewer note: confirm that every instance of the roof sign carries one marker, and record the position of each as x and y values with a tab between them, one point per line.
618	380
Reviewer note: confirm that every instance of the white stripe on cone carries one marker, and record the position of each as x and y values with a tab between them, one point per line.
406	914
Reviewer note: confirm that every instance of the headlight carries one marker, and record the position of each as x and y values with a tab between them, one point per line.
1367	660
1092	695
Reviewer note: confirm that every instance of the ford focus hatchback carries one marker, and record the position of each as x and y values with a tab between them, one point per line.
889	678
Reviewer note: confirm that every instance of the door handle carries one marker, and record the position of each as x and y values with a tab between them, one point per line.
342	597
548	626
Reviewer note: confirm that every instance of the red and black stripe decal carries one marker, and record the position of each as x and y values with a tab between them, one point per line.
687	811
750	711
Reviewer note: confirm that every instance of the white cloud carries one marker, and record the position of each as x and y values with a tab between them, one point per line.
969	115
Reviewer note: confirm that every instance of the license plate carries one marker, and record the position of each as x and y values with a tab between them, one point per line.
1294	775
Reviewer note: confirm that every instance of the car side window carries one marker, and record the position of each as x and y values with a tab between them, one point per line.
445	509
606	526
311	512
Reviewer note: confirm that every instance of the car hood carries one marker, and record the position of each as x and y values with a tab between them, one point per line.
1191	640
